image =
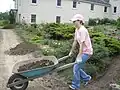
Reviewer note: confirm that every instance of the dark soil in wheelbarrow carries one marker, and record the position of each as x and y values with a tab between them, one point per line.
22	49
34	65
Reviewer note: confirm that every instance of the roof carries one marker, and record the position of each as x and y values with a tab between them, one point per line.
99	2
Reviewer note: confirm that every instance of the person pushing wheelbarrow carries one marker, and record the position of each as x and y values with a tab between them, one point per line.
85	51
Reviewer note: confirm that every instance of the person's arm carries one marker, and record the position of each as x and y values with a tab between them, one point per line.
73	47
81	48
81	41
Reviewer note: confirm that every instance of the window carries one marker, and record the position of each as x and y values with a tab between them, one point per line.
33	18
92	6
34	1
74	4
19	18
58	2
115	9
105	9
58	19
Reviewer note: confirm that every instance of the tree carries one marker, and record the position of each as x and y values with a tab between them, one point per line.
12	15
4	16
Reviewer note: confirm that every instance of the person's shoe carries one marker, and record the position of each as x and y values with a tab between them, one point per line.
72	88
86	83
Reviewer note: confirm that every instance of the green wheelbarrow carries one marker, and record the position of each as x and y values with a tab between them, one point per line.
20	80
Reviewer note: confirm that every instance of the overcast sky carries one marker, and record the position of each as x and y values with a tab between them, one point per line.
6	5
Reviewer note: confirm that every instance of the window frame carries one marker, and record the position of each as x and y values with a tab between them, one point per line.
59	3
34	2
105	9
33	19
74	4
115	9
92	7
58	19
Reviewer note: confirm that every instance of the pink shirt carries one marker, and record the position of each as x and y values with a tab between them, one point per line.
82	35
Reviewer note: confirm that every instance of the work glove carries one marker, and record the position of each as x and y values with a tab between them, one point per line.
78	59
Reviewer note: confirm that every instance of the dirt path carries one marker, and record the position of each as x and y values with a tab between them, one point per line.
112	74
8	39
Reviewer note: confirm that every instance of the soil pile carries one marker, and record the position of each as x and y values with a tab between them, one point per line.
34	65
22	49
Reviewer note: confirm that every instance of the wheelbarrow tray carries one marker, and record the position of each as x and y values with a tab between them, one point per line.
38	71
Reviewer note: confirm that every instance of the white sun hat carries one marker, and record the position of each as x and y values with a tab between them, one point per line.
78	17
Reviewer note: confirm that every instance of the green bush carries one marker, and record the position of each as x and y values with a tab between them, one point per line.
118	23
113	46
92	22
58	31
105	21
32	29
9	26
5	22
97	21
114	22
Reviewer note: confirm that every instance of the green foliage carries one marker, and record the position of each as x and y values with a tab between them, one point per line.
118	23
32	29
92	22
113	46
4	16
58	31
48	35
58	48
114	22
12	15
4	22
105	21
97	21
9	26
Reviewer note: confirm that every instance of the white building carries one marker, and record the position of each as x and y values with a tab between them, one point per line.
38	11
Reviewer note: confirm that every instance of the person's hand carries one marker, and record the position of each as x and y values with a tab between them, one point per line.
78	59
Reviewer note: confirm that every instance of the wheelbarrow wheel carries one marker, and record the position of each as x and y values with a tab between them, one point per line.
15	78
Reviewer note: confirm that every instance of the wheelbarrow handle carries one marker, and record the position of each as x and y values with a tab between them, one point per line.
63	58
66	66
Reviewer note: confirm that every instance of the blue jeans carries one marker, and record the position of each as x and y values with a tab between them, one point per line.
78	72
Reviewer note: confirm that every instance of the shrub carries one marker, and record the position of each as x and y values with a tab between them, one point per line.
113	46
97	21
5	22
114	22
9	26
32	29
105	21
118	23
92	22
58	31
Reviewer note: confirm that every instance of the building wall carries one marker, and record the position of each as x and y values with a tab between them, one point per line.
46	10
115	3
